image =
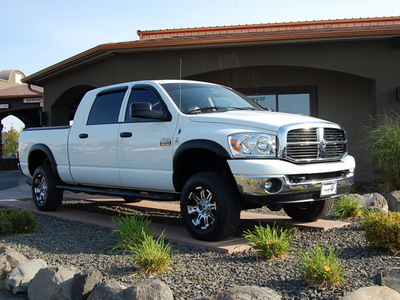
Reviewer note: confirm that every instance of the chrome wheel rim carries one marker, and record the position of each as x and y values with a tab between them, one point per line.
40	189
201	208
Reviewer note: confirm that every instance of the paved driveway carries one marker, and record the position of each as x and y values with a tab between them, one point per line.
11	179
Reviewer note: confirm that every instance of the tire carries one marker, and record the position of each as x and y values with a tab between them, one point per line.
45	194
210	206
309	212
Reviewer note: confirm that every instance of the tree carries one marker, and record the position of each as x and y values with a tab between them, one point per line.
10	145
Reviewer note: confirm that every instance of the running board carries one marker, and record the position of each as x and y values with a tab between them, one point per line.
118	193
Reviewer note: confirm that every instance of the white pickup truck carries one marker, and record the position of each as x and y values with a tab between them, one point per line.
207	145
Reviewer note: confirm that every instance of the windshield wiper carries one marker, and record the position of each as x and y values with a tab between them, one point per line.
208	108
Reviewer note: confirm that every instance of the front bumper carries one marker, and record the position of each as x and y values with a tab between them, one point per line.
299	183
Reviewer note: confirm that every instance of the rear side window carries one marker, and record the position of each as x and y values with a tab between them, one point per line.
106	107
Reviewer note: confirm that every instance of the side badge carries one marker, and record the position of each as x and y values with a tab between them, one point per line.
165	142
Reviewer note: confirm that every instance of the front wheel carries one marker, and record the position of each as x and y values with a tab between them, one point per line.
310	211
45	194
210	206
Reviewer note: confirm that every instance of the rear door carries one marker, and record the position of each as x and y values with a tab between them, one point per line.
94	145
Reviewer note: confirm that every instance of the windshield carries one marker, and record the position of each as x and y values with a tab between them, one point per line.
197	98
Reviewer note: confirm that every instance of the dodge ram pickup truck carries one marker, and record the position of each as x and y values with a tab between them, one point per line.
206	145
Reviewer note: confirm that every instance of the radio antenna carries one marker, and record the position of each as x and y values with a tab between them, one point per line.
180	84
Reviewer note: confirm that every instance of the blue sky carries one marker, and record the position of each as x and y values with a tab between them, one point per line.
37	34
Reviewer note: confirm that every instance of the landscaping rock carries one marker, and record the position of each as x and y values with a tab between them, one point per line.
373	292
84	283
150	289
19	278
52	283
9	259
358	198
390	278
393	200
376	201
106	290
248	292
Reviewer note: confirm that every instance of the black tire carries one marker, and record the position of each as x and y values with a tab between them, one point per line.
210	206
45	194
310	211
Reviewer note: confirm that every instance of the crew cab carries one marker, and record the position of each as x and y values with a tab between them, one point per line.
206	145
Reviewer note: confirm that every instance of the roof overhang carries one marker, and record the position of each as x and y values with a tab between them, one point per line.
218	39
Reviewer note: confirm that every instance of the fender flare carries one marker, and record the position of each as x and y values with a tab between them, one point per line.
46	150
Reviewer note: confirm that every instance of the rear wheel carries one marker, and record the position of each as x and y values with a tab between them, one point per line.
310	211
210	206
45	194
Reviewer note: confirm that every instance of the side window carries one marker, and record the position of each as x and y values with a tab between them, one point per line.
106	107
143	95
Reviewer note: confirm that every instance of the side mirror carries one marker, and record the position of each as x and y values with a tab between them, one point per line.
144	110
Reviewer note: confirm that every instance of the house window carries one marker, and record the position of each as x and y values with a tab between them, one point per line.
296	101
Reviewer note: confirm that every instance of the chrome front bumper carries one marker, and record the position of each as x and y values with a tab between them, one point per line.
295	188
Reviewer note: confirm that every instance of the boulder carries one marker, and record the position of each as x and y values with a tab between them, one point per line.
248	292
9	259
393	199
390	278
150	289
19	278
106	290
376	201
373	292
358	198
84	283
52	283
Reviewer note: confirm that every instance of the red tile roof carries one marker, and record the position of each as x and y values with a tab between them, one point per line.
21	91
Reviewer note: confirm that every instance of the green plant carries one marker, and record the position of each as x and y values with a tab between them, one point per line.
152	255
382	230
271	242
131	229
320	268
383	143
14	221
346	207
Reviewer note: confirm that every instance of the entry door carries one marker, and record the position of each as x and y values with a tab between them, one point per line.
145	146
94	146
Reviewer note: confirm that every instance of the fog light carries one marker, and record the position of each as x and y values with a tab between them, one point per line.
268	185
273	186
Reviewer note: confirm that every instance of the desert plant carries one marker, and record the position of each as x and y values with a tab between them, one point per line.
346	207
15	221
320	268
270	242
383	143
152	255
382	230
132	230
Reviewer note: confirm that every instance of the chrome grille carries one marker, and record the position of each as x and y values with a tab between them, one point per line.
315	144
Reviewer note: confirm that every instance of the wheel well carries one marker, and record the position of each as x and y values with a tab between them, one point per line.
37	158
194	161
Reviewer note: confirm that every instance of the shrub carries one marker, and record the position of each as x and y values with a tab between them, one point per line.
15	221
271	242
132	230
153	256
321	269
346	207
382	231
383	142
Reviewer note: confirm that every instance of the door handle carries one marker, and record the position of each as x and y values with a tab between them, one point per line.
83	136
125	134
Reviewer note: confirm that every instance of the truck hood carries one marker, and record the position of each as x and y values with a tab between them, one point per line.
257	119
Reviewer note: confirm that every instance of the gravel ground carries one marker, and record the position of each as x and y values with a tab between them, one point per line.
194	272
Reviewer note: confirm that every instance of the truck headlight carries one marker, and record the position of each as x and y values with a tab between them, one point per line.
252	145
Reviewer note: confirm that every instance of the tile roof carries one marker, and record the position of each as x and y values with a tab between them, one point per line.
21	91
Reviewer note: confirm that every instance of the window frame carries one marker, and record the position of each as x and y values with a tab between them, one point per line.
311	90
